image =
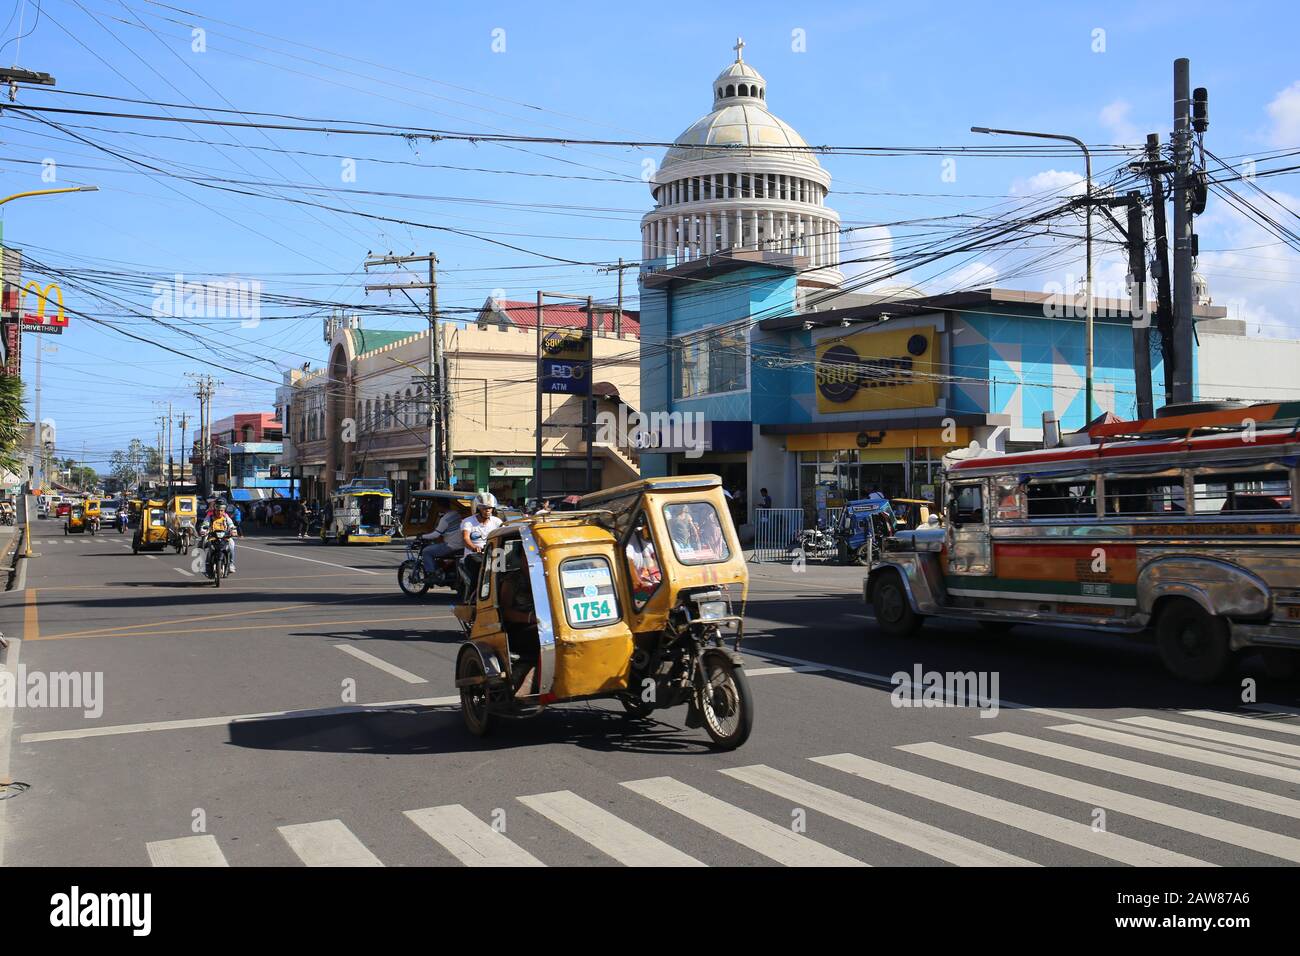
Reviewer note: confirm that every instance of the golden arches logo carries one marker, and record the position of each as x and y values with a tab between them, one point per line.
43	297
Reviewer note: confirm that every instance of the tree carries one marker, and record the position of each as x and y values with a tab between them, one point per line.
13	412
134	463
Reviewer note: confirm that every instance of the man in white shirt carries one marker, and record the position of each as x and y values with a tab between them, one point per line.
444	539
474	532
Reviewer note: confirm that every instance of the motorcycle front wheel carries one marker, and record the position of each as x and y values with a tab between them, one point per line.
411	578
726	702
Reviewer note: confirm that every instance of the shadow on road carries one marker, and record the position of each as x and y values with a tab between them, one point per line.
440	730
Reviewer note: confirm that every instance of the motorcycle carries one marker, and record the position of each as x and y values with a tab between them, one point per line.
122	520
412	578
812	543
217	563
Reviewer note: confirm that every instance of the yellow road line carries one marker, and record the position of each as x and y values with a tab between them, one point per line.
94	632
306	625
31	619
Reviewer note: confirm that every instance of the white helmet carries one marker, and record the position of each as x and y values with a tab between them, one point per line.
485	499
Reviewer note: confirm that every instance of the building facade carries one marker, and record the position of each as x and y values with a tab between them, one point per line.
366	414
246	450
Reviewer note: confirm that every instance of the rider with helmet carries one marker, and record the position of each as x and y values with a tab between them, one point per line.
218	520
474	532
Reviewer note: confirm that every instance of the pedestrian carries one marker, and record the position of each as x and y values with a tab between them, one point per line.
765	498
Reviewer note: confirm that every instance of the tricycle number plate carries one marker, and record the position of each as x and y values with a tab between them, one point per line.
589	610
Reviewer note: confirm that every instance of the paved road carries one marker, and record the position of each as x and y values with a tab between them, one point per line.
226	737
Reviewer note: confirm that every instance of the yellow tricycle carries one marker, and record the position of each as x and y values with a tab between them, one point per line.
633	598
151	532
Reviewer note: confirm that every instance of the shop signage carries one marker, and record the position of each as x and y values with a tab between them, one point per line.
874	370
565	356
563	377
867	439
510	468
39	321
570	344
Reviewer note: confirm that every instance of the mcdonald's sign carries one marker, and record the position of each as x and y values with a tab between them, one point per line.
39	321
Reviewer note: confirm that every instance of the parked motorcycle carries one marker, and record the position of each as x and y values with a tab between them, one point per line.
815	542
412	578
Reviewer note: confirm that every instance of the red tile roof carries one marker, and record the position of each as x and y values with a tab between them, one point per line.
561	315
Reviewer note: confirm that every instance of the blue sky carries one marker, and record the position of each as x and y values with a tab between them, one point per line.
903	75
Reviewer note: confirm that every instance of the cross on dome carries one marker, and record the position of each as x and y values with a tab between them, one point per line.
740	49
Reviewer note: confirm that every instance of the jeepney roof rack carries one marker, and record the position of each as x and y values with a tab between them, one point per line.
1193	419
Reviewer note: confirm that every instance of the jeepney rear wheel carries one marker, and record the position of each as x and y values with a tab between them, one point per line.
1193	644
473	700
893	610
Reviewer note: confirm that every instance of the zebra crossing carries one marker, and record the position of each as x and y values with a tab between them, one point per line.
1187	745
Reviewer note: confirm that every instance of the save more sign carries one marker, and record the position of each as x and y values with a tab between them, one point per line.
875	370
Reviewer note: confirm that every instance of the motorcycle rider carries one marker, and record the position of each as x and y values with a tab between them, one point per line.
474	532
220	521
445	539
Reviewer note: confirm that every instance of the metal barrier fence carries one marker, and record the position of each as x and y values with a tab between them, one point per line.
776	529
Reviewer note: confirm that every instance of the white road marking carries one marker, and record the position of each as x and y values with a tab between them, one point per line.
1272	709
1255	723
188	574
186	851
469	839
383	665
298	557
192	722
1205	786
1167	815
609	834
798	669
327	843
1073	833
1243	764
748	829
152	557
1209	733
928	839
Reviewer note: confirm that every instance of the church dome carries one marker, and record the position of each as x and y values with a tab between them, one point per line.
739	180
740	118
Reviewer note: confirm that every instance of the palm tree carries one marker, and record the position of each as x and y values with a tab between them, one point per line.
13	412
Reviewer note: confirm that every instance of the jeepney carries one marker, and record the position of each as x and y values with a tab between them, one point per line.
1184	528
362	513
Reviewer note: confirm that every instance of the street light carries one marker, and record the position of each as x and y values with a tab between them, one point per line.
1087	163
36	416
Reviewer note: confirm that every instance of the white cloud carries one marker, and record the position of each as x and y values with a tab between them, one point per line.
872	243
1115	117
973	275
1255	276
1047	182
1285	113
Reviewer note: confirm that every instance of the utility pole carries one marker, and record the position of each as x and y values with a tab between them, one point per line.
1141	317
1156	169
618	321
1189	201
205	388
438	466
185	420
